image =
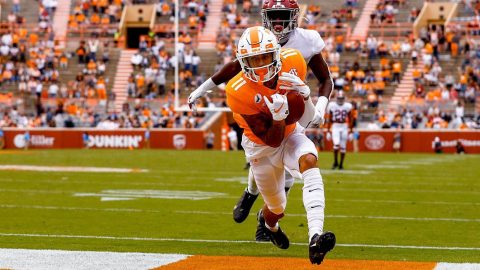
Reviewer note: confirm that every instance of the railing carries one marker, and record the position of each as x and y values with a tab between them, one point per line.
467	29
391	31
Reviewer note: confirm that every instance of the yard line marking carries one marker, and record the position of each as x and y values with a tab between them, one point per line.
239	179
65	259
50	207
407	202
153	194
222	241
404	190
68	169
381	166
348	216
380	183
67	181
346	172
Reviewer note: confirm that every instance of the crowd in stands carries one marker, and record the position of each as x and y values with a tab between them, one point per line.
96	15
337	18
438	98
153	64
80	114
192	12
367	71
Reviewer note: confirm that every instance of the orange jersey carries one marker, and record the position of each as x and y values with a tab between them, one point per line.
245	97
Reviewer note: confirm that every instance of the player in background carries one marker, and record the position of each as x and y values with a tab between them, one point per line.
273	145
280	17
341	126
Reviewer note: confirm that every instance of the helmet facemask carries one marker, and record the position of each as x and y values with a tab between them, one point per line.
261	67
281	21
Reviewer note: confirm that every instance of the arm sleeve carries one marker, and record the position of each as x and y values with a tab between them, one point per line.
317	43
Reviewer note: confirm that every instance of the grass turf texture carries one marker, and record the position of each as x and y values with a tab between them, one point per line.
419	191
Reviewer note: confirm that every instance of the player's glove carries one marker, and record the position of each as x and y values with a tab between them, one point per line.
289	81
199	92
278	107
320	107
329	136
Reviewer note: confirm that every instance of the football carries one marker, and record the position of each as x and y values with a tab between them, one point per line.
296	107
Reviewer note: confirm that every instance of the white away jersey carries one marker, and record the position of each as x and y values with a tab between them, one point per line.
308	42
339	113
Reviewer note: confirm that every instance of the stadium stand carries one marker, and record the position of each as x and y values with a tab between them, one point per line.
370	46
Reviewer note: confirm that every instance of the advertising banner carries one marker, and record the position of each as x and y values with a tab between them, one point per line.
92	138
369	141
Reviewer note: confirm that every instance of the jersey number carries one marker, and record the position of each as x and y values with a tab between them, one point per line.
339	116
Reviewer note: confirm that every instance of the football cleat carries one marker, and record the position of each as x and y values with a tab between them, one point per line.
278	238
334	166
243	206
262	233
340	167
320	245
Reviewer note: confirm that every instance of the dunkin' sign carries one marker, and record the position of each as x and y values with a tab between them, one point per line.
115	141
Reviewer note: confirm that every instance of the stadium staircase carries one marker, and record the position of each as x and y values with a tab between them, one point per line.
361	28
124	69
406	85
60	21
208	36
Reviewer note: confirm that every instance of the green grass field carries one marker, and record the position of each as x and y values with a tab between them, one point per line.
403	200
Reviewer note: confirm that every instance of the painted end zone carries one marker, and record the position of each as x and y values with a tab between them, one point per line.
271	263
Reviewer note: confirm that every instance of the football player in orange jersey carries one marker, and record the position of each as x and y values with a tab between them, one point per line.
281	17
272	146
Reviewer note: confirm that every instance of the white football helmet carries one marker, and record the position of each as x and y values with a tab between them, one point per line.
258	52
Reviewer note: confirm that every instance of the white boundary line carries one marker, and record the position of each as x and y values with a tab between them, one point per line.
222	241
133	210
347	216
69	169
407	202
44	191
404	190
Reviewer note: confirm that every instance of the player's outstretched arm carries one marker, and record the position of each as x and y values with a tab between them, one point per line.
322	73
227	72
222	76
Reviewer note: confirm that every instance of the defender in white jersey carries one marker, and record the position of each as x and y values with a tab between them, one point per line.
281	17
341	121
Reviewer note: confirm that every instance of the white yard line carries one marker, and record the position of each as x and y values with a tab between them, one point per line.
80	260
49	207
381	166
348	216
66	180
153	194
382	183
356	190
67	169
222	241
407	202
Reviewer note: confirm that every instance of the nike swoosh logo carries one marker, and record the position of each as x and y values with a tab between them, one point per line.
277	111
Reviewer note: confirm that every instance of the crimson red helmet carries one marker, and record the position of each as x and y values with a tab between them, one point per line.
281	17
